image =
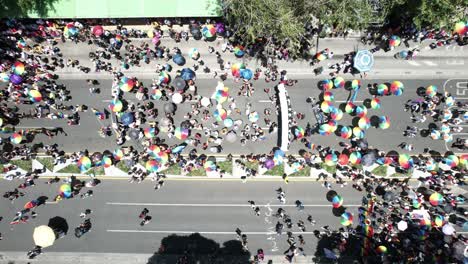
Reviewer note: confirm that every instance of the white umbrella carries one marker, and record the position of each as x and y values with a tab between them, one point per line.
231	136
44	236
402	225
448	229
205	101
177	98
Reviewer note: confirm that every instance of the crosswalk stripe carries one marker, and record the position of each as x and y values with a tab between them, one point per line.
429	63
413	63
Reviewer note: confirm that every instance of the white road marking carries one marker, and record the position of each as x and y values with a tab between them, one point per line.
459	134
26	127
200	232
265	101
224	205
341	101
413	63
429	63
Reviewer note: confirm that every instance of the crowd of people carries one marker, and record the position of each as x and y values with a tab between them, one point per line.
31	57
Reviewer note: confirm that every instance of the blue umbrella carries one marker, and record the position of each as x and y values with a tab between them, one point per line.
246	74
363	61
127	119
187	74
178	59
179	148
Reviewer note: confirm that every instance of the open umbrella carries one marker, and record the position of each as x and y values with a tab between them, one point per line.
394	41
231	136
363	61
179	148
448	229
187	74
178	59
127	119
402	225
98	30
126	84
246	74
179	83
194	53
209	32
177	98
169	108
44	236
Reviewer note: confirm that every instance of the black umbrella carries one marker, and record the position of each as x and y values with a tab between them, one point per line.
134	134
58	224
179	84
331	194
170	108
196	32
186	124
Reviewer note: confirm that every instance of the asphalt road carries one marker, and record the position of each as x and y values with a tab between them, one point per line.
86	134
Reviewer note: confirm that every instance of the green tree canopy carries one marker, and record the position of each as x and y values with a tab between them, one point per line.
21	8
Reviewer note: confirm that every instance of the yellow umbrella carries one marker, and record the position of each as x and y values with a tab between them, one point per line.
150	33
44	236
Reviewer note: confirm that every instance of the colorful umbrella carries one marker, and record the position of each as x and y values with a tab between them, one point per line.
356	84
239	51
149	132
253	116
361	110
236	69
358	133
460	28
106	161
337	201
343	159
431	165
16	79
355	158
152	165
157	94
194	53
70	30
327	84
405	161
18	68
326	106
328	96
66	190
325	129
298	132
431	90
346	219
464	160
320	56
21	44
209	166
116	105
331	159
349	108
209	31
375	103
35	96
394	41
346	132
126	84
339	82
382	89
364	123
220	114
397	88
438	221
4	77
381	249
84	163
436	199
435	134
181	133
153	150
16	138
384	122
333	125
164	78
336	114
221	95
452	161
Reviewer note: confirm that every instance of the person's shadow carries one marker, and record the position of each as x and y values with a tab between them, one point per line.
196	248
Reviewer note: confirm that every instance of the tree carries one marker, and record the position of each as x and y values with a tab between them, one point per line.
21	8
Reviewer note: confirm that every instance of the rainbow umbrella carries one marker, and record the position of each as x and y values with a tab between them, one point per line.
448	137
384	122
343	159
463	159
438	221
278	157
118	154
153	150
397	88
452	161
382	89
394	41
320	56
435	134
405	161
361	110
325	129
431	165
70	30
118	38
331	159
209	31
149	132
356	84
326	106
126	84
221	95
209	166
21	44
346	132
333	125
327	84
336	114
236	69
460	28
65	190
364	123
18	68
239	51
181	133
253	116
299	132
220	114
346	219
382	249
163	78
449	101
4	77
337	201
116	105
152	165
358	133
157	94
339	82
355	157
84	163
375	103
162	157
416	203
436	199
16	138
106	161
35	96
328	96
194	53
349	108
431	90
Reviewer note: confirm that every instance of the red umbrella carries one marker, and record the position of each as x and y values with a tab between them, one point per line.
30	204
98	30
343	159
